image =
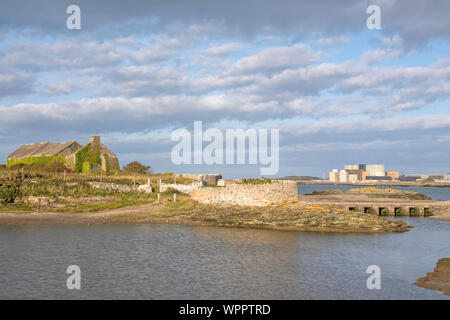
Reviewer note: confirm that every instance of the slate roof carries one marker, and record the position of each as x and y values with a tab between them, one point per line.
45	149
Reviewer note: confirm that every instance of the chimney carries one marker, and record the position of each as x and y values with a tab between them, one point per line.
95	143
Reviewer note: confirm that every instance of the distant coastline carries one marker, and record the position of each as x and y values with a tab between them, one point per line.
375	184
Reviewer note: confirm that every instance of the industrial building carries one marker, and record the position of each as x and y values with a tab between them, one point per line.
420	176
362	172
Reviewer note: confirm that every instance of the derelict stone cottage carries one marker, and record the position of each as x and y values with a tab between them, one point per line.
95	156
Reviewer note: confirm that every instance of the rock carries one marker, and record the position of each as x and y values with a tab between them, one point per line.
439	279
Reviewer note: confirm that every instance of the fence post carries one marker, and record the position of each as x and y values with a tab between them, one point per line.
158	197
174	197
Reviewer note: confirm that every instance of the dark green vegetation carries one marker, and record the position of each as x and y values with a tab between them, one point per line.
10	187
256	181
136	167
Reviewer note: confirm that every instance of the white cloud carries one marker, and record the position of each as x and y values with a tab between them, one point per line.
331	41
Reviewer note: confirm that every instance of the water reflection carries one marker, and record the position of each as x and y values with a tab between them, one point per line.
180	262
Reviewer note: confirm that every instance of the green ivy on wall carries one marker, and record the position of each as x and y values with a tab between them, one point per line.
106	162
31	160
86	155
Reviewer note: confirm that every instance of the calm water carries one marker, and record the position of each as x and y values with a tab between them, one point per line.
178	262
436	193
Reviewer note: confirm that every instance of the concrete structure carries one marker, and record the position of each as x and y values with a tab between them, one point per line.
376	170
205	178
378	178
352	178
442	176
362	171
343	176
334	176
393	174
412	208
248	194
357	172
363	176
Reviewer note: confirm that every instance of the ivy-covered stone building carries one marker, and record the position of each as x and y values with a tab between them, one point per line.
95	156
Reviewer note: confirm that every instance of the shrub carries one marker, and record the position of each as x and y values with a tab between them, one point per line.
136	167
256	181
10	187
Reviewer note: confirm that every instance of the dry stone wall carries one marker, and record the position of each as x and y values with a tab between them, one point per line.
186	188
248	194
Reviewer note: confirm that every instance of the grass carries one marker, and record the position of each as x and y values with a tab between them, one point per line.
94	207
72	191
20	208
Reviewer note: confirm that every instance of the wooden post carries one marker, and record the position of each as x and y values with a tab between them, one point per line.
101	175
158	197
22	172
149	183
159	186
174	197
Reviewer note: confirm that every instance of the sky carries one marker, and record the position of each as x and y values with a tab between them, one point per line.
338	92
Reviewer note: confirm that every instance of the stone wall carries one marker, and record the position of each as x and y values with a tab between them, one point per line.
248	194
206	178
186	188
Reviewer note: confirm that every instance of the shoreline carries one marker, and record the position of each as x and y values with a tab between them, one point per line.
374	184
292	217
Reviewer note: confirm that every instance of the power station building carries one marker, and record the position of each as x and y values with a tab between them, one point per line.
362	172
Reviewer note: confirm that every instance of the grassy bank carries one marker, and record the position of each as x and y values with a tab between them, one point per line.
30	190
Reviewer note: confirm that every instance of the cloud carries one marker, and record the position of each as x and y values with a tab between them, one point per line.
275	59
224	49
331	41
69	55
13	84
415	21
136	71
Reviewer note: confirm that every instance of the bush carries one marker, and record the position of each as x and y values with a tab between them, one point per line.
10	187
136	167
256	181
